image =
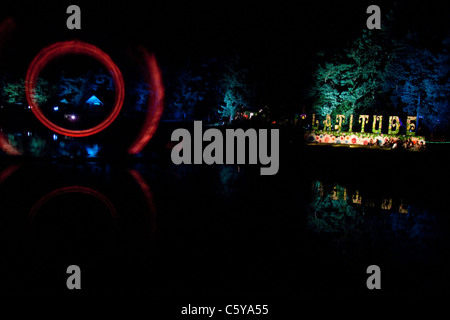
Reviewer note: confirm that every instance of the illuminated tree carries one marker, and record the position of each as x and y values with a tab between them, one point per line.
14	92
350	81
141	90
421	84
72	89
189	91
234	89
75	89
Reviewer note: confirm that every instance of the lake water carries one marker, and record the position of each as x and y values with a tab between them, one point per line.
146	226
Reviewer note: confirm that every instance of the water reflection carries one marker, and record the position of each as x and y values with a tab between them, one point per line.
337	198
54	215
25	184
171	230
71	190
358	217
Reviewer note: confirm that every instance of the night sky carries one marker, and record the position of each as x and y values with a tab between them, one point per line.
278	42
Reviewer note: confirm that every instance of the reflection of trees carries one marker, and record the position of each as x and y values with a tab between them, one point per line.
332	212
403	230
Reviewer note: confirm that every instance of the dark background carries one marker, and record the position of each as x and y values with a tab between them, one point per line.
278	42
223	233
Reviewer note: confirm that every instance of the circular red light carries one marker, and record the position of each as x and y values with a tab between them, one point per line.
73	189
73	47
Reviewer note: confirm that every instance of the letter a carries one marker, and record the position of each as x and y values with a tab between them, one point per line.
74	21
374	21
374	281
183	147
74	281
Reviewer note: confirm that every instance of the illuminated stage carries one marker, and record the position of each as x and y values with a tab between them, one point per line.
363	139
392	140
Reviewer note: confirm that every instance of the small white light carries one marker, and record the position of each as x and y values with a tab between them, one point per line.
55	137
55	108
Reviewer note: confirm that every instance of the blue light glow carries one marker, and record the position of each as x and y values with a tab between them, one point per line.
92	151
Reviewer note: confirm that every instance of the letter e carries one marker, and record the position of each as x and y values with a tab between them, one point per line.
74	21
374	281
74	281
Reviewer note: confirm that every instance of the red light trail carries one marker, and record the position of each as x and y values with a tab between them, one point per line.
7	172
6	27
73	189
154	105
73	47
147	194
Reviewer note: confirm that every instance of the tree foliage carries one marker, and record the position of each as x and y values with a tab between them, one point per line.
421	85
350	81
380	70
14	92
234	89
189	91
75	89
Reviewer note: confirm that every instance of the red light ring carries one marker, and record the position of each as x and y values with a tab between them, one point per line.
155	103
147	194
73	189
73	47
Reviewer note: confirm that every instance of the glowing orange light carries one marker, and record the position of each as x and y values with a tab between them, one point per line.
73	47
154	104
73	189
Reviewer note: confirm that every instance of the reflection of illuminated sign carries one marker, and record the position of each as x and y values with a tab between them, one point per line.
386	204
403	208
338	192
356	198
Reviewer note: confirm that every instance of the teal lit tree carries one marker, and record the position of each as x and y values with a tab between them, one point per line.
234	89
351	80
14	92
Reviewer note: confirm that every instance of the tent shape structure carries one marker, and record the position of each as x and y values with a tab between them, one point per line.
64	101
94	101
